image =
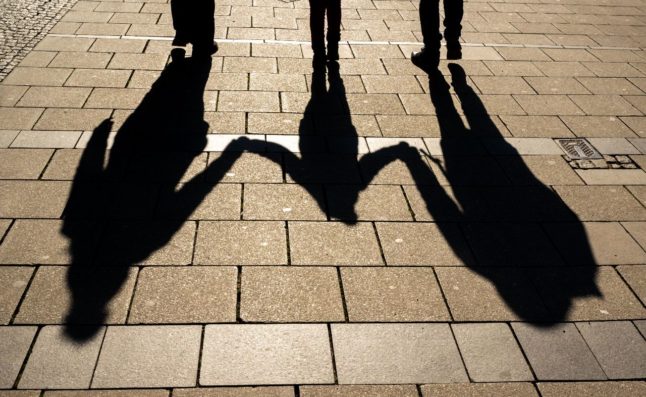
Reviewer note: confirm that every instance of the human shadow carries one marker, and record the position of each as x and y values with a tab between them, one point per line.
522	236
125	206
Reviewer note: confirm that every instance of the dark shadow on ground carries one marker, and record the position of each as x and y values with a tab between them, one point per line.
110	214
504	225
515	232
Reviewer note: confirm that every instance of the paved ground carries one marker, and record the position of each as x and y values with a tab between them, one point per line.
194	227
23	23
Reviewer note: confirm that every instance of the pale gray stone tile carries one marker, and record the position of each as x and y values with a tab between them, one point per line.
613	177
256	391
522	146
558	352
359	391
6	137
148	356
396	353
13	281
266	354
57	362
618	347
613	146
46	139
491	353
14	346
480	389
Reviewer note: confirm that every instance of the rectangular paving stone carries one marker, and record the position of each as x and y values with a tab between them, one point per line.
635	276
597	126
249	65
38	76
601	203
14	346
399	294
115	98
376	202
72	119
38	58
375	104
502	85
557	353
486	294
610	86
56	362
255	391
193	294
490	353
246	168
391	84
248	101
32	199
592	389
49	298
245	354
613	177
608	243
138	61
333	244
54	43
148	356
556	85
115	45
359	391
548	105
618	346
46	139
396	353
480	389
23	163
277	82
536	126
282	294
14	280
586	293
241	243
598	105
18	118
283	202
95	60
51	246
423	244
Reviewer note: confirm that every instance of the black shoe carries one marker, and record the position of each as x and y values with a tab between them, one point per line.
205	50
333	52
426	60
453	50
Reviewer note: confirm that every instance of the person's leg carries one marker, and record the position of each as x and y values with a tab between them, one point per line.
203	32
429	14
317	27
180	22
333	29
453	12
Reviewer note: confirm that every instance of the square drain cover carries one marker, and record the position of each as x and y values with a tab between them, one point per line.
579	149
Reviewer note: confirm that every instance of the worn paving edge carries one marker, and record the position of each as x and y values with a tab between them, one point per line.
350	42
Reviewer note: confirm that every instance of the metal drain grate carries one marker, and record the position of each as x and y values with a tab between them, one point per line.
579	149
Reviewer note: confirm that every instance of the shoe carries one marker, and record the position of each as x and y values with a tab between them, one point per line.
426	60
453	50
333	52
207	50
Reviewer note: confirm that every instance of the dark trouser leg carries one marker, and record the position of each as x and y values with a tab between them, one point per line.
333	21
317	15
181	21
453	12
429	16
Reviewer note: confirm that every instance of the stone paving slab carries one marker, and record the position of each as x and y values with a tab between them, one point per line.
14	347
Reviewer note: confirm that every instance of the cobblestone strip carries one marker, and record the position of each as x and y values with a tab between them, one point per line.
23	23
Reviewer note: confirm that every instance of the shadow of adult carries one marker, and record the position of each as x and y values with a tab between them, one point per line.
125	206
512	229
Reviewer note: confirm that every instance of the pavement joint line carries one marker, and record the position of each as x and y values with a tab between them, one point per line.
351	42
